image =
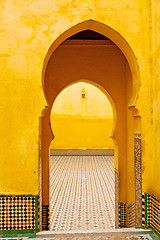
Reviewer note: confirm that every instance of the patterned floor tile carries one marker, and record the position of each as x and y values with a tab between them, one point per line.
82	193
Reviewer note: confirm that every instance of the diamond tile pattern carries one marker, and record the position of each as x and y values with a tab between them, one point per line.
82	193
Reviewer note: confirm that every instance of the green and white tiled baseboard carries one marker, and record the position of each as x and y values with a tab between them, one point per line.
152	212
18	214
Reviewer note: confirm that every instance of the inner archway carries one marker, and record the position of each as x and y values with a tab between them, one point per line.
112	65
82	195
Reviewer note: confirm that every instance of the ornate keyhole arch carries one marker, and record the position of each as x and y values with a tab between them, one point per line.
49	82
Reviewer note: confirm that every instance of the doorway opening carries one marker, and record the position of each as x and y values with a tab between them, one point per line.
109	63
82	182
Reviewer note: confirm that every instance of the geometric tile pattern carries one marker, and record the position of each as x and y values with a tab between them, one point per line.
152	212
155	213
18	212
45	217
82	193
116	199
143	210
40	193
147	209
122	214
138	181
131	215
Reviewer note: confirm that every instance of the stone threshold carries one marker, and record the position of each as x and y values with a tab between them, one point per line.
121	230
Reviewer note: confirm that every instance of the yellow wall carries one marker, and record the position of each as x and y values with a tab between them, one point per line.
155	188
101	62
130	147
81	123
27	30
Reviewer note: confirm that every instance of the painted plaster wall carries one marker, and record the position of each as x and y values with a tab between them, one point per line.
27	30
156	97
130	146
104	65
82	123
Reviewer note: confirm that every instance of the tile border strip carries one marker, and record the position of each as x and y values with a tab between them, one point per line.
122	215
131	215
155	213
138	180
45	217
152	213
116	199
143	209
40	192
148	210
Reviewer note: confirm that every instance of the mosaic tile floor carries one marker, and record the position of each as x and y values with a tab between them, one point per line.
82	193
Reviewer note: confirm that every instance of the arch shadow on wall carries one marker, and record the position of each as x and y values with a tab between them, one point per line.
46	134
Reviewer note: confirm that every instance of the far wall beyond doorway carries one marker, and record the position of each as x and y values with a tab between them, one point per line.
82	118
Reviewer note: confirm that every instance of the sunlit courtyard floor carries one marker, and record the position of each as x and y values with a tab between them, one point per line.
82	193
